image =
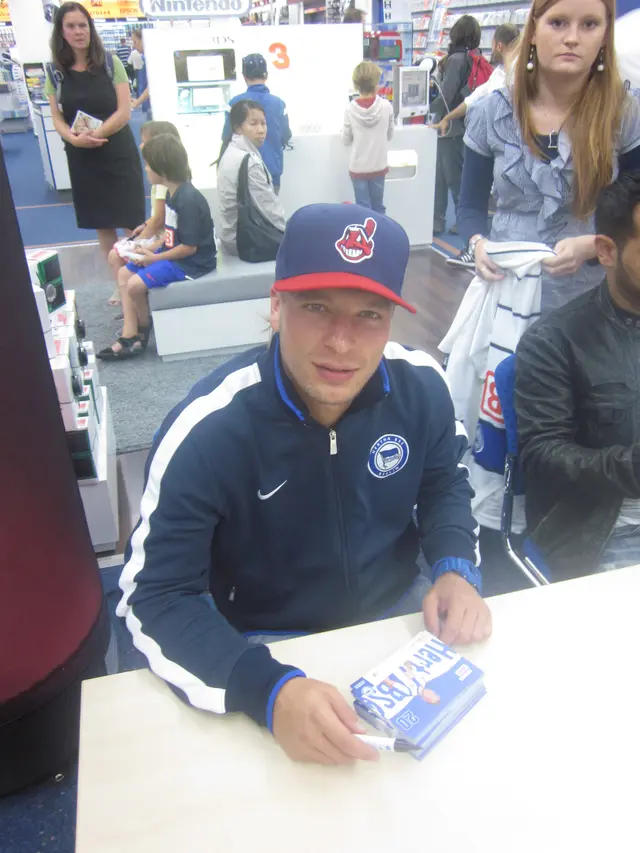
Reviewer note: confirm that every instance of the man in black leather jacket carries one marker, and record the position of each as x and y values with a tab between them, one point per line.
578	406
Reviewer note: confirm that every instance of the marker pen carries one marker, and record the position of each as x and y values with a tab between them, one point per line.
388	744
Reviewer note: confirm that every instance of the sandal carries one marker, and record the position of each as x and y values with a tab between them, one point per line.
115	299
130	348
144	333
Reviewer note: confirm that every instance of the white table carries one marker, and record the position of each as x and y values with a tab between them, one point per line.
548	761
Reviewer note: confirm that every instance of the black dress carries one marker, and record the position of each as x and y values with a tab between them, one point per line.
106	182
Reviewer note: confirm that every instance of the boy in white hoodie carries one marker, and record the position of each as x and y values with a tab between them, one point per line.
368	127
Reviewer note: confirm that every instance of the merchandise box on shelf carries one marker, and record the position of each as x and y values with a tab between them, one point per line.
44	269
85	414
100	493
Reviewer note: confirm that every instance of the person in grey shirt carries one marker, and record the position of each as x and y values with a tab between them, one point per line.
454	71
249	127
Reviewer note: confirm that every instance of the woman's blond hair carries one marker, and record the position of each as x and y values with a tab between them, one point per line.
594	121
366	76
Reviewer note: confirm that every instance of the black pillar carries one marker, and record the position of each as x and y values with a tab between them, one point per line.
53	625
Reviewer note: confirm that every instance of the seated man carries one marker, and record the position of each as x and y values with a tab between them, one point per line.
280	494
578	405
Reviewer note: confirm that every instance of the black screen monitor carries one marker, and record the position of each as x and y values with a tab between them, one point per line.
209	65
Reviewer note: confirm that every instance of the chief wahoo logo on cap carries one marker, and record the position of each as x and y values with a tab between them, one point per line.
357	243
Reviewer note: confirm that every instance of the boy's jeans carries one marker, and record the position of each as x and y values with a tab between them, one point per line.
369	192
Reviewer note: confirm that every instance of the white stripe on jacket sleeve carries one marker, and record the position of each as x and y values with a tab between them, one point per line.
199	694
417	357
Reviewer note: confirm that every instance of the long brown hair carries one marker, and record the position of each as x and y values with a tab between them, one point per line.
595	117
61	51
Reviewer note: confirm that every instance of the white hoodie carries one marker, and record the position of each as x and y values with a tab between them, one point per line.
368	128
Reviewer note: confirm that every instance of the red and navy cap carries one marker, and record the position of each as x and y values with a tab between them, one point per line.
343	246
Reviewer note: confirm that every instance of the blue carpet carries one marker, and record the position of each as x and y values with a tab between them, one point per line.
50	226
46	217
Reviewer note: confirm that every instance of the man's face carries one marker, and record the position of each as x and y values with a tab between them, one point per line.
623	267
497	57
331	343
627	273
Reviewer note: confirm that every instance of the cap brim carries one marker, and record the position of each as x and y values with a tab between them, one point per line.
339	281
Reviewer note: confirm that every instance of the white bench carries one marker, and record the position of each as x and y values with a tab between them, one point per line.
222	312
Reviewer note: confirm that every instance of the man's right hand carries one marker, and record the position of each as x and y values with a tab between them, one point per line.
312	722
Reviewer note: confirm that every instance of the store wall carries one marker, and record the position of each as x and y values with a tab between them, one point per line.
31	29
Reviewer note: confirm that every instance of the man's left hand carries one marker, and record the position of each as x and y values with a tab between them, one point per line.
455	612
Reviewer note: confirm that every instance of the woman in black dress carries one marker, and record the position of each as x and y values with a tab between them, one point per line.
104	164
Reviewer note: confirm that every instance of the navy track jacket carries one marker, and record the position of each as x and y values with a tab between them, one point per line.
288	525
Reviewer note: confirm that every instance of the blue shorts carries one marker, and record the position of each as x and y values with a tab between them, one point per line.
158	274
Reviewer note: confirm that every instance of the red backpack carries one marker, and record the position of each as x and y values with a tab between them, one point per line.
480	72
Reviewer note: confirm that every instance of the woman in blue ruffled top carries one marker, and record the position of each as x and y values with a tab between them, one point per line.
549	143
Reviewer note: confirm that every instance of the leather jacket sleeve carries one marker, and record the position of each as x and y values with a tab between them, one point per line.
547	423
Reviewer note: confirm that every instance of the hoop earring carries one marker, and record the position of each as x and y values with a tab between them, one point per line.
600	65
530	63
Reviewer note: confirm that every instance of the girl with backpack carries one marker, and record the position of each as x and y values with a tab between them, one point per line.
104	165
456	71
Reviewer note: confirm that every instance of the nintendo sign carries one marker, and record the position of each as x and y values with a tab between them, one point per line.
195	8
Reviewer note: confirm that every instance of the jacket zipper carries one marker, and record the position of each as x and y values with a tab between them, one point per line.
333	451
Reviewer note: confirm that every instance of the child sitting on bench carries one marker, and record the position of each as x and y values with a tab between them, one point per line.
189	249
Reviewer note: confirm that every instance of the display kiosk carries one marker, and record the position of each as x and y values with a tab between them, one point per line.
52	153
193	73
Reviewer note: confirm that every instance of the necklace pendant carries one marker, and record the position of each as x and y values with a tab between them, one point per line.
553	141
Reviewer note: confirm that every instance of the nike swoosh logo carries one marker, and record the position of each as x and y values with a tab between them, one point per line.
271	494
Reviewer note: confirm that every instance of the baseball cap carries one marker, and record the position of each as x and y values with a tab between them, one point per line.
254	66
343	246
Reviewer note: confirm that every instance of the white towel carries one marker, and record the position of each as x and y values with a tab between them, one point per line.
487	327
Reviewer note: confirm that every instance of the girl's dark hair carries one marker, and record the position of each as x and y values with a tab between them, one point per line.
466	33
157	128
61	51
237	116
167	156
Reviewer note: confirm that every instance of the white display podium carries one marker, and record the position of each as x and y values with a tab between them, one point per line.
100	496
52	153
316	170
310	68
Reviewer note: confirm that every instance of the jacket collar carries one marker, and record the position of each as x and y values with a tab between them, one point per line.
375	390
258	87
606	305
238	140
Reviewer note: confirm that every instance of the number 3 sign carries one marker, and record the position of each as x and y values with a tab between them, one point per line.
282	60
